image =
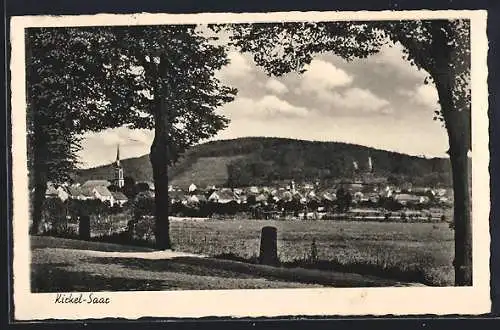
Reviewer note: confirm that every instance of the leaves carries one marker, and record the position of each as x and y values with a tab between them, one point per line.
440	47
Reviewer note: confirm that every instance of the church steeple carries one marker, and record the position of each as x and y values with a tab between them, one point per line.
119	180
117	155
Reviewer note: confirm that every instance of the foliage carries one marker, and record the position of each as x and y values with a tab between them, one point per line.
65	79
344	199
175	64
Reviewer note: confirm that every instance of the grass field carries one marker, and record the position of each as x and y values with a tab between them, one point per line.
67	265
407	251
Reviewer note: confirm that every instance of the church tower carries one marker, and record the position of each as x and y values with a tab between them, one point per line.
119	180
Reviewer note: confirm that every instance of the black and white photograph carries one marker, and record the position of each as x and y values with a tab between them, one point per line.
275	164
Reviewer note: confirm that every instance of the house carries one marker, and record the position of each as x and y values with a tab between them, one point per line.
62	193
51	191
420	190
327	196
406	186
86	193
80	193
119	198
75	192
261	198
192	188
222	197
210	188
54	191
196	199
285	196
177	196
404	199
253	190
103	194
96	183
308	186
298	196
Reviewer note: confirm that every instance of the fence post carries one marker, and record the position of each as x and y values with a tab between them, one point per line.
84	227
268	246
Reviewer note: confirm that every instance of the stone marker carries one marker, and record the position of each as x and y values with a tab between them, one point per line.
84	227
268	246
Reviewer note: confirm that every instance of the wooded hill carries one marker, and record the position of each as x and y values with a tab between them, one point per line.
262	161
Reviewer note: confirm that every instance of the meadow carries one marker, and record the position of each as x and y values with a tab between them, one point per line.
417	252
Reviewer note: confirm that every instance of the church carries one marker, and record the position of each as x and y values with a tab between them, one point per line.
118	179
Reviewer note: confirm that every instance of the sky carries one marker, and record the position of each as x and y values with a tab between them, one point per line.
379	102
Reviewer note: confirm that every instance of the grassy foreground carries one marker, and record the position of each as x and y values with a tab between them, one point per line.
420	252
62	265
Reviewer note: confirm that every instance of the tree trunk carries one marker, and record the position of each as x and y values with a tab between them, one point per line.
159	161
40	187
462	216
458	127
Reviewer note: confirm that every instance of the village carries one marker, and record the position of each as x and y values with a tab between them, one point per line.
365	196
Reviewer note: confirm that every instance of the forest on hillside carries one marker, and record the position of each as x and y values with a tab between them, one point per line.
266	160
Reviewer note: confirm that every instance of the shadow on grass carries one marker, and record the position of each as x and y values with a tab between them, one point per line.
123	238
409	274
235	269
54	278
96	244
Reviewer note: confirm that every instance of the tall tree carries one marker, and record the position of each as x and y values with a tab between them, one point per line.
63	74
170	73
440	47
155	77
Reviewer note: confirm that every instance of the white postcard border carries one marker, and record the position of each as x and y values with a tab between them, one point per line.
267	302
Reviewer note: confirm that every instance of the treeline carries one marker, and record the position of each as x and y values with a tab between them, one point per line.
274	159
284	159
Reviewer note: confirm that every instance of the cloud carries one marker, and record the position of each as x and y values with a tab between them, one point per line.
322	75
100	148
265	107
356	100
275	86
239	67
391	58
423	95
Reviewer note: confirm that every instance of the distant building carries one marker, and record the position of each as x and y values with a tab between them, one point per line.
308	186
404	199
196	199
222	197
62	193
253	190
119	198
80	193
54	191
177	196
119	180
91	184
51	191
192	188
103	194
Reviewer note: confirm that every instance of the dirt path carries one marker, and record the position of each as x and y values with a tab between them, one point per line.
70	265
